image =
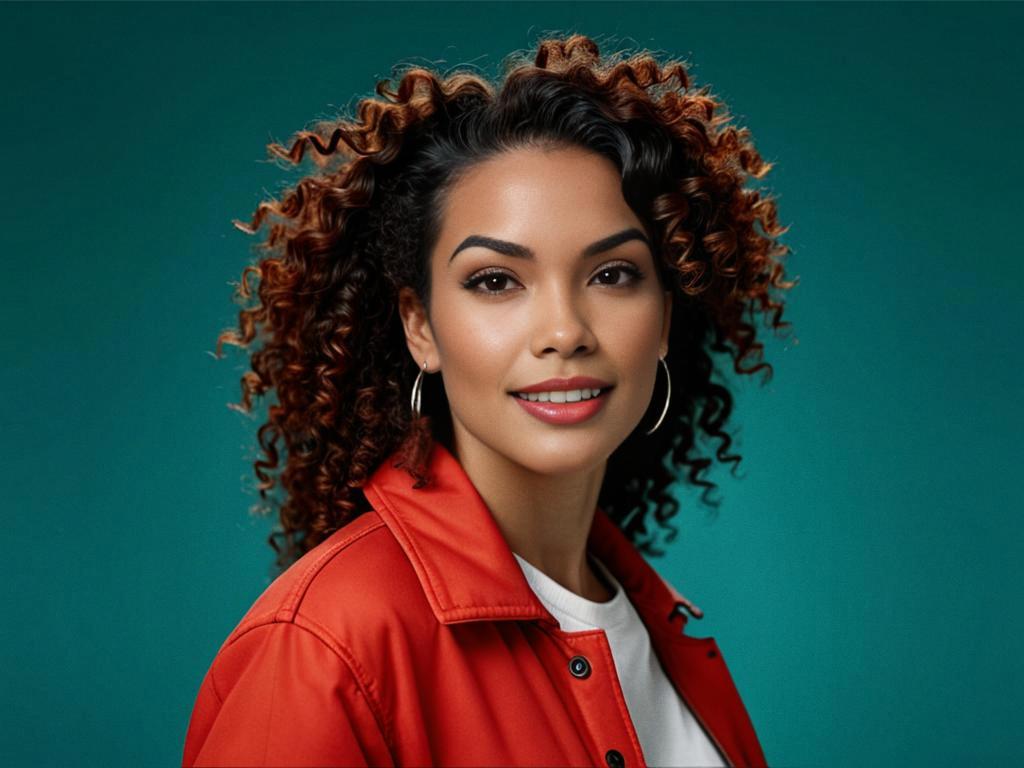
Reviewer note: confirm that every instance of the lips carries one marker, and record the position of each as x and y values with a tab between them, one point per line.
563	413
558	384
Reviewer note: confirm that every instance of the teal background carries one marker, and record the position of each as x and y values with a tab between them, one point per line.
862	577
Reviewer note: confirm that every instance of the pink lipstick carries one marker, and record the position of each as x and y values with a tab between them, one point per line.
564	413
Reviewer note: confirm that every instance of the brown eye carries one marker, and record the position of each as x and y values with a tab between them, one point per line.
618	269
494	282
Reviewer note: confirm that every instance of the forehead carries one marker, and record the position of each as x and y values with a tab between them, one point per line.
532	186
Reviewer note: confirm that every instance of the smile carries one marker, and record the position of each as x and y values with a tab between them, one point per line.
563	406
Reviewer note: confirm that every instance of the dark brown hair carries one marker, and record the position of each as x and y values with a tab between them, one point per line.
362	224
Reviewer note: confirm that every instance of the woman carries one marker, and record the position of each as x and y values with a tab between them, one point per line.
563	249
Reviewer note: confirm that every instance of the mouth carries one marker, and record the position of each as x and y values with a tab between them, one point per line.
562	407
560	396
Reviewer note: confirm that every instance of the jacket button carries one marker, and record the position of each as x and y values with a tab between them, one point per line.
579	666
712	653
614	759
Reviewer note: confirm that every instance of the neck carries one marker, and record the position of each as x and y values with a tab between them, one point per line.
545	519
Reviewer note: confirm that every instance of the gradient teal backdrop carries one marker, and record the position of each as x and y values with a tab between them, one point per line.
863	574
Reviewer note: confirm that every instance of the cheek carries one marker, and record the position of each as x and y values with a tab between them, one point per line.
634	332
476	344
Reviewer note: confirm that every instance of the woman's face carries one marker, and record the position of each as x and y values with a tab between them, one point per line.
563	307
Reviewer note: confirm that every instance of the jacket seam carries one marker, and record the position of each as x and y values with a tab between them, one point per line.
284	611
345	655
213	686
290	605
270	708
365	682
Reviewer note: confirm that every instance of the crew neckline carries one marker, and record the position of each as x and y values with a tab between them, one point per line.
596	614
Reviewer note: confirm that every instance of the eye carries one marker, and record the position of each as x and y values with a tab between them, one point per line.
619	269
493	278
496	280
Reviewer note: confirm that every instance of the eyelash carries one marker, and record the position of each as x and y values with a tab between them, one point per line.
478	278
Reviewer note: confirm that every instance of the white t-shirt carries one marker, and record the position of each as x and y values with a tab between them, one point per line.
669	735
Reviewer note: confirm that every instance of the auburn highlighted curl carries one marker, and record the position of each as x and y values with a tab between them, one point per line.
349	235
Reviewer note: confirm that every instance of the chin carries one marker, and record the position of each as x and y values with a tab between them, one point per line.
561	456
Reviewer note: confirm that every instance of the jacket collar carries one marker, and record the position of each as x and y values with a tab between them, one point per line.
466	567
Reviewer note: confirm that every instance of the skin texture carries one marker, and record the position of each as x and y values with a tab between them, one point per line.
558	314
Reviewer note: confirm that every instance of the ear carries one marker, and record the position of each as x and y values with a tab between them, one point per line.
419	337
666	324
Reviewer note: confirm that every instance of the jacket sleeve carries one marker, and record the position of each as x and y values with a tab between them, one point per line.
280	695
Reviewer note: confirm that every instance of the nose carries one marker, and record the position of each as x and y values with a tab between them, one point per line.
561	326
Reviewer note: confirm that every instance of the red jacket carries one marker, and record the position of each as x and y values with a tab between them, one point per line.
411	637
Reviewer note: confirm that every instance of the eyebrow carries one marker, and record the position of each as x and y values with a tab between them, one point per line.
517	251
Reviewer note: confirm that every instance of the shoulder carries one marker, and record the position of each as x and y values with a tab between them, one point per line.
292	665
353	585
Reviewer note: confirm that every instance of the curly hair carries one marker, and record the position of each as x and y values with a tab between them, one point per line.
362	224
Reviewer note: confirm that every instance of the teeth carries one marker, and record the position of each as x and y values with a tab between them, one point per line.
559	396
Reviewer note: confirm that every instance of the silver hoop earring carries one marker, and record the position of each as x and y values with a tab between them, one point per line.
417	390
668	396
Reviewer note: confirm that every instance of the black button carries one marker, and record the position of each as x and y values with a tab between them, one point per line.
579	666
614	758
712	653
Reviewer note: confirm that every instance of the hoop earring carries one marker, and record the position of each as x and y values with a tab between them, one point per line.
417	391
668	397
